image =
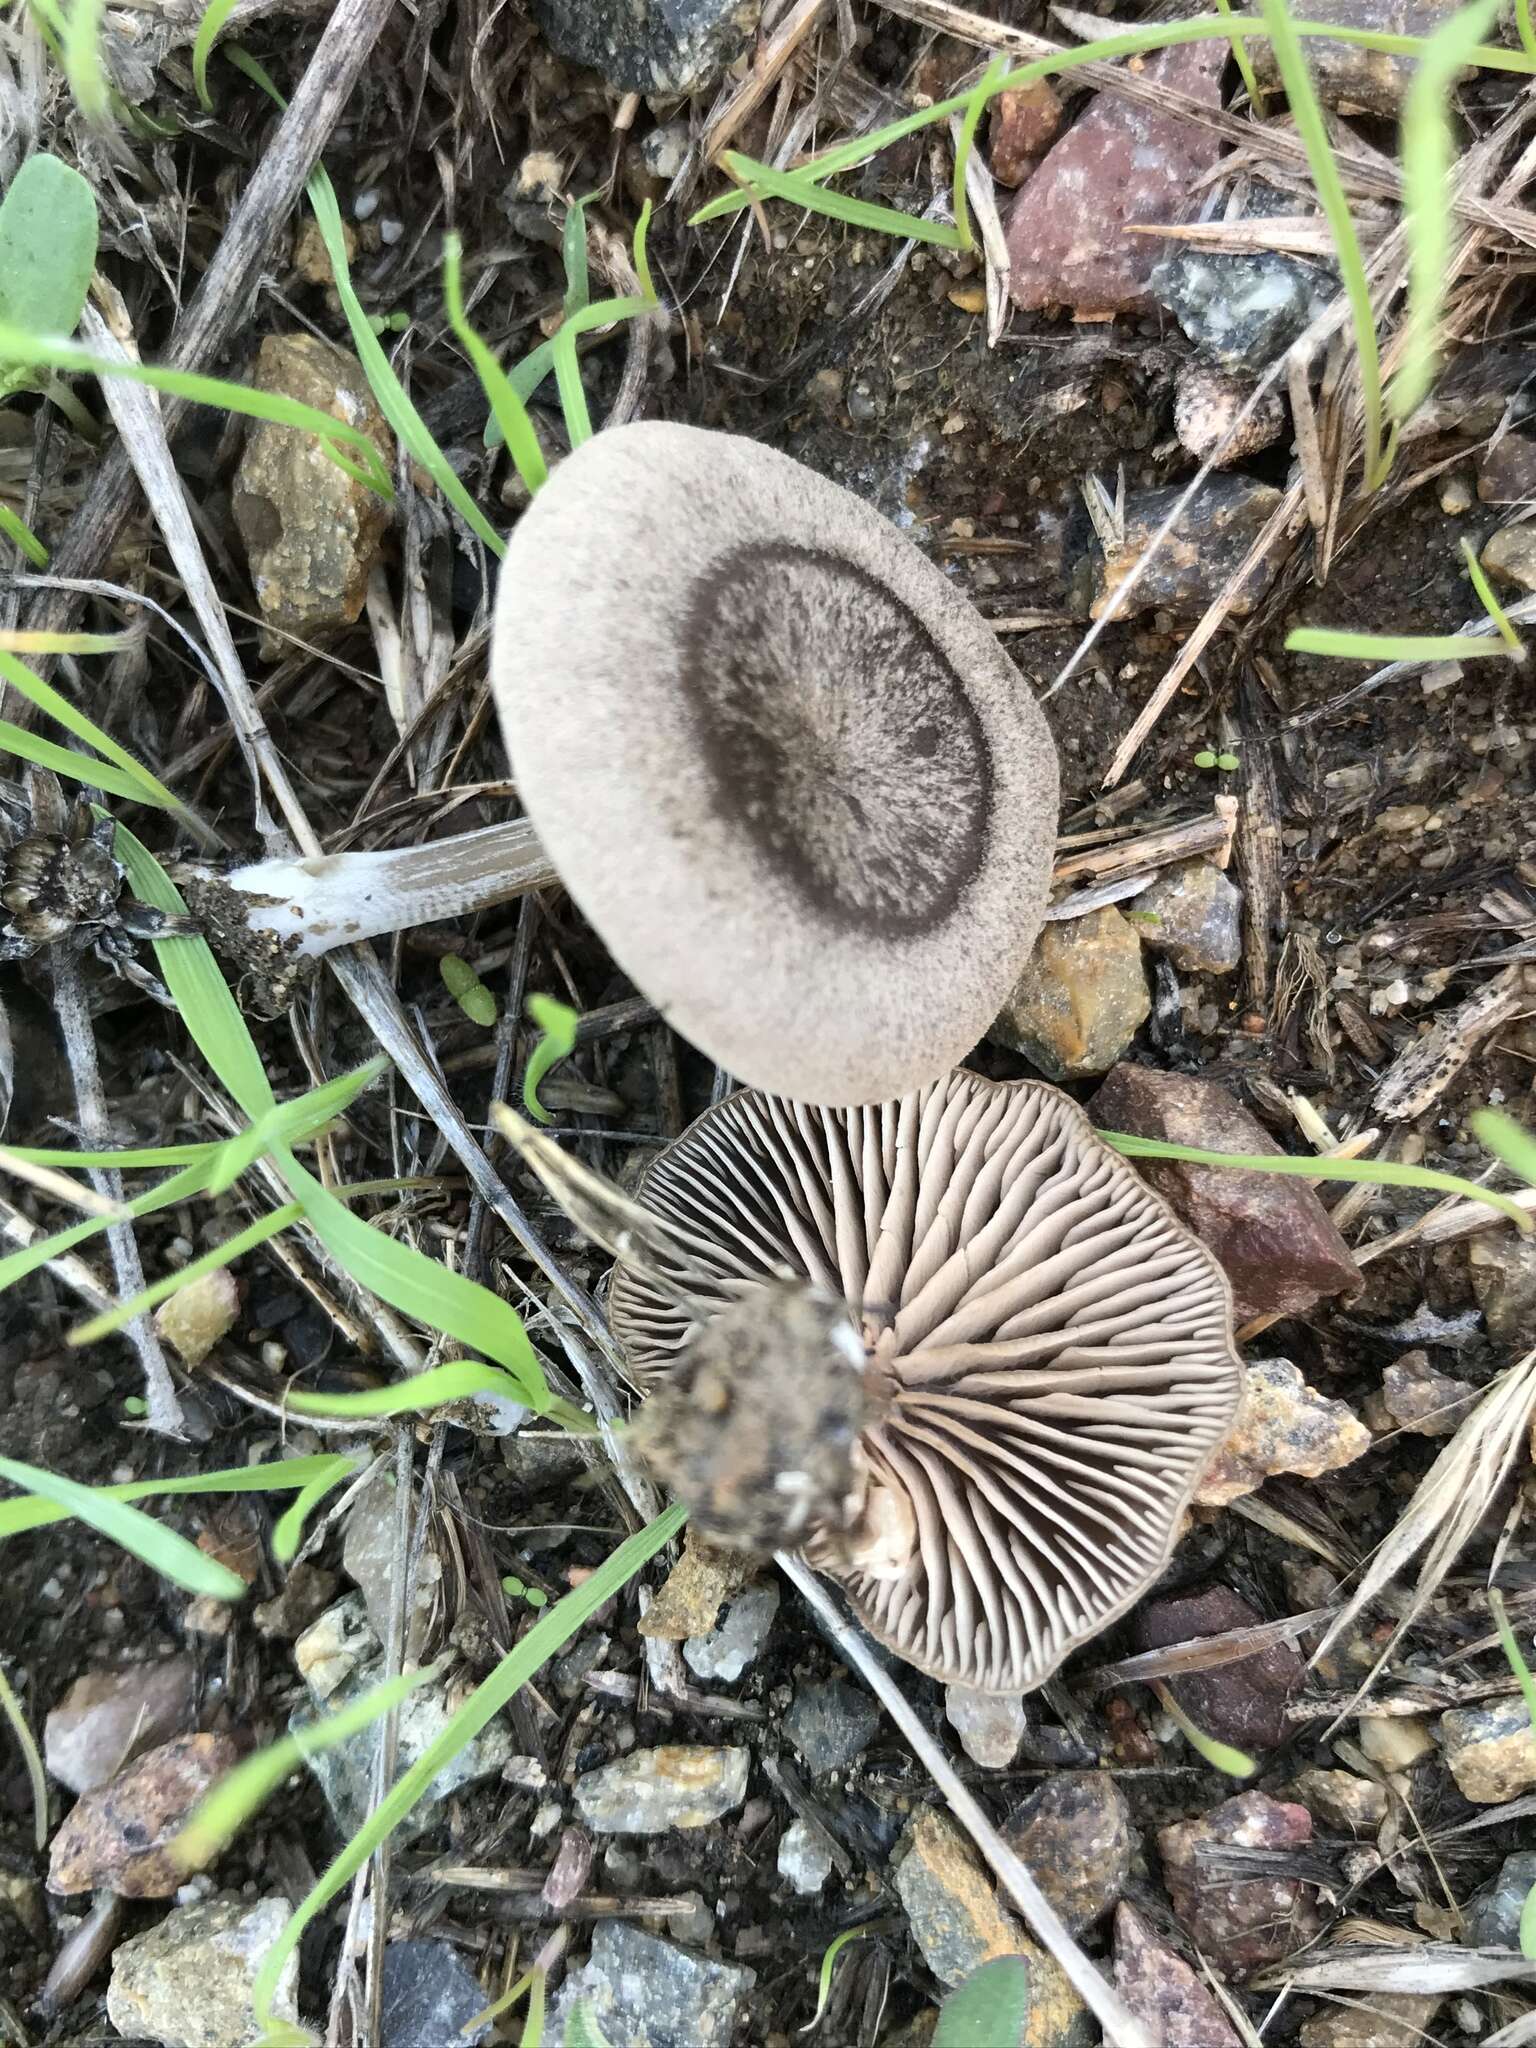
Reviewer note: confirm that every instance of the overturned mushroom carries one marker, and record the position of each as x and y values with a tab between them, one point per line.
992	1444
783	767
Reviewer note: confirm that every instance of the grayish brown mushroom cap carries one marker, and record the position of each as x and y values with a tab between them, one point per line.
786	771
1050	1352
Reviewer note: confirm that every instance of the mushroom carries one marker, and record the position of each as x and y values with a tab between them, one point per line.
781	765
1044	1361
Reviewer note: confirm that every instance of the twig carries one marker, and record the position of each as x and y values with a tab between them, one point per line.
1211	835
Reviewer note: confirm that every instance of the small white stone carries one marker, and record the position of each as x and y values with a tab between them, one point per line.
804	1859
990	1725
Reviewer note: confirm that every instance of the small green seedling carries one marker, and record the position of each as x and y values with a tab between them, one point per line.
1235	1763
1206	758
515	1589
389	323
47	254
989	2009
558	1023
468	990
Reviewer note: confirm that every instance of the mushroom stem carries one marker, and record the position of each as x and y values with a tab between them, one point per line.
334	899
1102	2000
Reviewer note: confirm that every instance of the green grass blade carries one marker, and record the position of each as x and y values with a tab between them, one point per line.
82	59
508	413
1377	1172
198	989
573	255
558	1022
1394	646
37	1777
455	1381
762	181
1245	68
829	1958
215	15
1523	26
642	260
172	1556
150	1297
288	1529
287	1122
179	1187
1503	624
282	1476
149	788
966	142
243	1791
1428	150
1221	1756
85	769
581	2028
1514	1656
989	2009
1510	1143
1307	113
549	1634
17	531
132	1161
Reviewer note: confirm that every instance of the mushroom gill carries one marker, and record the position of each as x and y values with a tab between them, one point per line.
1048	1360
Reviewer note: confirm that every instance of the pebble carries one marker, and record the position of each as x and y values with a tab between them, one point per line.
1491	1750
696	1588
1242	1702
1208	543
1353	80
1244	310
739	1640
299	1601
1511	556
1208	403
1419	1399
311	258
428	1996
345	1773
1341	1800
187	1983
196	1316
804	1860
990	1725
645	1993
1239	1924
1283	1426
1075	1835
1024	124
331	1649
1395	1741
1119	165
1081	999
830	1723
1503	1272
1387	2019
368	1554
117	1837
682	1785
1506	471
1273	1236
1174	2004
311	532
1194	915
662	47
1493	1916
665	150
109	1717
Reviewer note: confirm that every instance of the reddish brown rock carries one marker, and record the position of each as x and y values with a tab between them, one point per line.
1164	1993
109	1717
1273	1236
1243	1702
1121	164
118	1838
1024	125
1239	1923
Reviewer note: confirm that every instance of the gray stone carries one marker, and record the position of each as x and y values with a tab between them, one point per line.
1207	544
311	532
429	1995
1503	1270
1194	915
331	1648
1511	556
1491	1751
1076	1837
107	1718
368	1554
681	1785
1243	310
804	1859
665	150
1081	999
653	46
1217	417
1341	1800
1352	79
738	1641
345	1773
990	1725
187	1982
1493	1917
644	1993
831	1723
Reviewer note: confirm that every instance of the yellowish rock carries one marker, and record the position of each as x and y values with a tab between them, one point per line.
1395	1741
199	1314
1284	1426
1082	998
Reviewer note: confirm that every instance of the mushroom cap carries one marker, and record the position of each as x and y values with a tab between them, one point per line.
783	767
1050	1348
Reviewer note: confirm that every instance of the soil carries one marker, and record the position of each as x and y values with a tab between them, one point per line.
1406	824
